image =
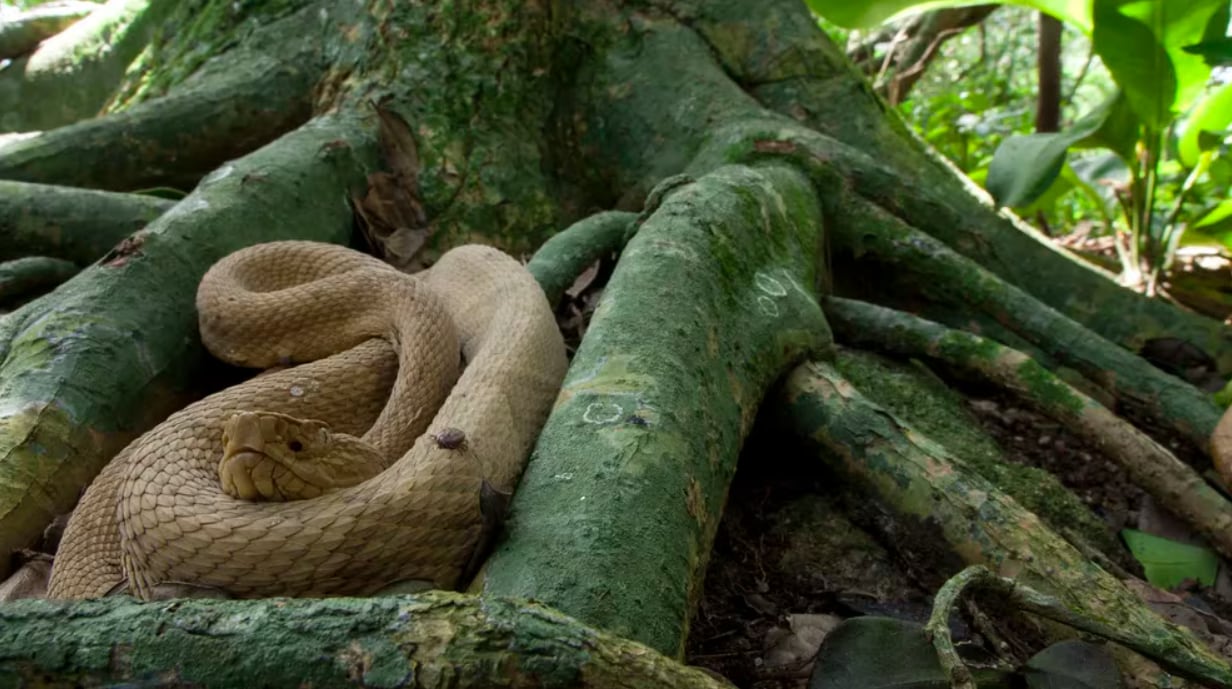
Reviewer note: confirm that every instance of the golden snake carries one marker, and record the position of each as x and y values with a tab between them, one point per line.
158	514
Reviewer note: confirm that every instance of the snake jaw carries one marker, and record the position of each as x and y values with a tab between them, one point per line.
271	456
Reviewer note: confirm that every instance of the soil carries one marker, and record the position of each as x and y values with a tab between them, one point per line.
786	555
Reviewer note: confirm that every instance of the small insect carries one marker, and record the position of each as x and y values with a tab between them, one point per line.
450	439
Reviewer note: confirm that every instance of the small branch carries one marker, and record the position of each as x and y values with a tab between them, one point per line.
26	277
563	257
1170	481
977	577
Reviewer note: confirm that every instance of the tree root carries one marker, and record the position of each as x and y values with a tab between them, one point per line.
1173	483
708	304
241	102
25	277
427	640
77	225
21	32
925	266
71	75
978	577
915	478
562	258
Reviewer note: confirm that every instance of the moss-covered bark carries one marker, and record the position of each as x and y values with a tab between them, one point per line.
915	394
72	75
77	225
522	116
940	502
1173	483
779	57
428	641
32	275
21	32
239	102
613	521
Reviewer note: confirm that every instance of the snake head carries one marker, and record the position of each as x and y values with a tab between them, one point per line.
271	456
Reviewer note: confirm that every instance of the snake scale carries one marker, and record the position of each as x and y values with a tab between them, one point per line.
469	345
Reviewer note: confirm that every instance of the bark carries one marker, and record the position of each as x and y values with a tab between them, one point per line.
26	276
939	502
1173	483
1048	102
563	257
425	641
520	115
658	400
21	32
789	67
72	75
77	225
239	102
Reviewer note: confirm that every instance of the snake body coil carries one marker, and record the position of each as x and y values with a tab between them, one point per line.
157	514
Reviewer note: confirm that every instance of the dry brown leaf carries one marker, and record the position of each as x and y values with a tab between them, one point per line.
391	213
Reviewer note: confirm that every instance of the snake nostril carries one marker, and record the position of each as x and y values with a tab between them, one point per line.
295	445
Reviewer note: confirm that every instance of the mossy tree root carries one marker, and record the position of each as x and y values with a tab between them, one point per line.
709	303
234	107
789	67
24	277
77	225
916	479
71	75
23	32
566	254
1152	467
927	267
431	640
100	360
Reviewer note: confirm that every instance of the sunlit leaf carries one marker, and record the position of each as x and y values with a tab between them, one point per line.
1167	563
1024	167
1213	114
858	14
1216	52
1142	43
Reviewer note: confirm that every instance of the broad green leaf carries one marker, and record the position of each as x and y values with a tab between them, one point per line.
1073	665
854	656
1142	43
1167	563
1215	225
1216	52
862	14
1213	114
1119	128
1024	167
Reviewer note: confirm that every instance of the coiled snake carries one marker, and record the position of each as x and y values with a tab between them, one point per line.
159	514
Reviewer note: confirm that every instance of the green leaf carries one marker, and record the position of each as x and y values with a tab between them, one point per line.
853	657
1215	225
1142	43
1167	563
1119	128
1072	665
1024	167
862	14
1216	52
1213	114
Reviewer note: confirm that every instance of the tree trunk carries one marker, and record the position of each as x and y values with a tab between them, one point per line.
764	175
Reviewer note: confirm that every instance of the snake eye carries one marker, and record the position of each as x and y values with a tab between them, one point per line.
295	445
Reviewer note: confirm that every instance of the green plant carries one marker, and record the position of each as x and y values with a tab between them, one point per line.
1160	54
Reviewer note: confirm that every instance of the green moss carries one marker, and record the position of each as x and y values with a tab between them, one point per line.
1043	385
926	404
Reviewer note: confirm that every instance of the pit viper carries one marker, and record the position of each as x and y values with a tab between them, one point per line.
378	360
